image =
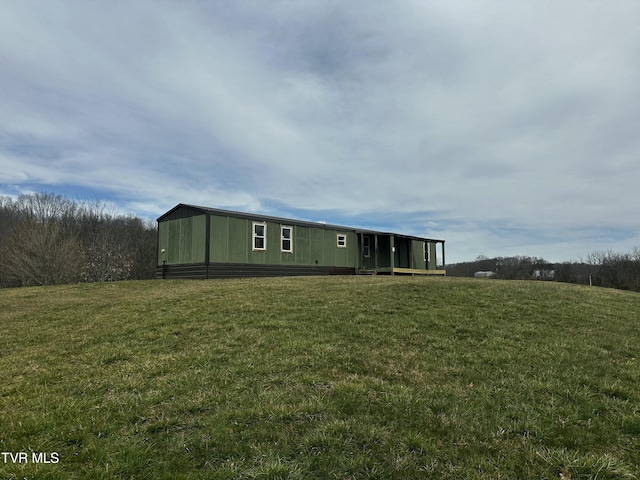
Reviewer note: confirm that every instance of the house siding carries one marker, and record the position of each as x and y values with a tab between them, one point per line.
432	256
231	241
183	240
417	251
200	242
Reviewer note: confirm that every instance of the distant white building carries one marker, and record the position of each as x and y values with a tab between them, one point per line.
543	274
484	274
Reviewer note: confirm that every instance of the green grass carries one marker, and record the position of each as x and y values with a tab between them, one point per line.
335	377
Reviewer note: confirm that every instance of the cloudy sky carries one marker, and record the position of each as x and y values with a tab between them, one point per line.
505	128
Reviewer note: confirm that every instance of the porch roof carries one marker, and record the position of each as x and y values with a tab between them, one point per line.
401	235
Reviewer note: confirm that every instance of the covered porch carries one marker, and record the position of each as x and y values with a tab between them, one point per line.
391	254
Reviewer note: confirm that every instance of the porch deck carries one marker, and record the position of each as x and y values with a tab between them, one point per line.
417	271
400	270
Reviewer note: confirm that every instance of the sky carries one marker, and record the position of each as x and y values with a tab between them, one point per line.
505	128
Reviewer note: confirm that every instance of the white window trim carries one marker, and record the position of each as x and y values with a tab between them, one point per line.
290	239
254	236
344	240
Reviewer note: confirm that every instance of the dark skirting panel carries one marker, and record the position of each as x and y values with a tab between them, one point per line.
235	270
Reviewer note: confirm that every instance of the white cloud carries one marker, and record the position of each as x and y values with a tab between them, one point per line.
473	116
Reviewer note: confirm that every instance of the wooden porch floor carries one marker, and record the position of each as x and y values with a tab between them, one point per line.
399	270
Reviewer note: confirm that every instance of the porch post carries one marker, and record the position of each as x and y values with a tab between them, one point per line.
207	244
392	247
375	252
411	254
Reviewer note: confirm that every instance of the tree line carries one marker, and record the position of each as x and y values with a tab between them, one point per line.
604	269
48	239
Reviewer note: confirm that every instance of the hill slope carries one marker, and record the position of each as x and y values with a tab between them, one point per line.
338	377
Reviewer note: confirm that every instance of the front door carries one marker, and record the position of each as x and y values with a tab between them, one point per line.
403	252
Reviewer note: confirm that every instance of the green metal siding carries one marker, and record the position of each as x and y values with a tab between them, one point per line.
272	255
219	239
239	238
301	245
198	244
432	255
316	246
183	240
231	240
370	261
330	254
186	240
343	256
163	236
417	248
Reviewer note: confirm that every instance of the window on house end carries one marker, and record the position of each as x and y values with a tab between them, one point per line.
259	236
287	239
342	240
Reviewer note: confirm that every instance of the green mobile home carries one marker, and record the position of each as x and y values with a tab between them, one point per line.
201	242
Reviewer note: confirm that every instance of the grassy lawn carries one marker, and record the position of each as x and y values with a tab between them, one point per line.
334	377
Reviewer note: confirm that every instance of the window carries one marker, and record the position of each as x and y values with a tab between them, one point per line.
342	240
286	239
259	236
366	251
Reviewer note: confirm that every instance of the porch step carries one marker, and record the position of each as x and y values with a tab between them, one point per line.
367	272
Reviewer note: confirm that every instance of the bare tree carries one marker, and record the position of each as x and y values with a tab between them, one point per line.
48	239
42	253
